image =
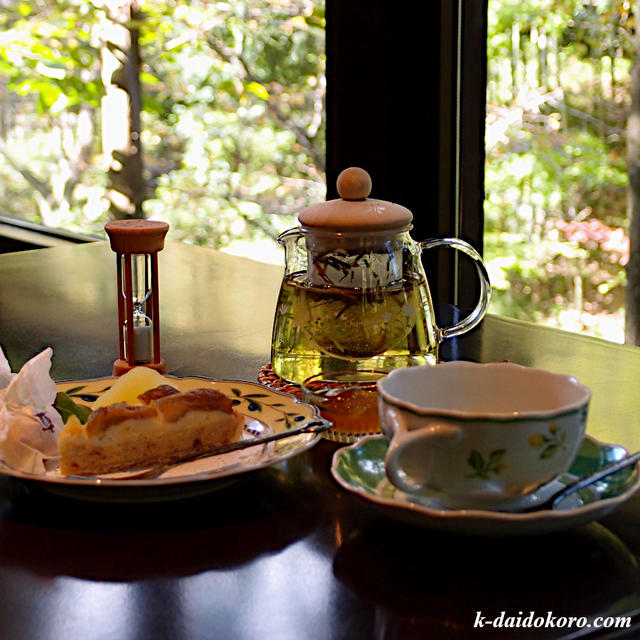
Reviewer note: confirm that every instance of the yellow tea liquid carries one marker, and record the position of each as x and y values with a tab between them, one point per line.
324	328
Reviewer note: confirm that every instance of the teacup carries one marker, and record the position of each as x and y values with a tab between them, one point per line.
479	435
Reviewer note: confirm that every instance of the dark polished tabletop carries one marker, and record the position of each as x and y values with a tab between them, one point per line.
283	553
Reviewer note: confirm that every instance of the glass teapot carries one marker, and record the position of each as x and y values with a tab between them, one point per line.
355	294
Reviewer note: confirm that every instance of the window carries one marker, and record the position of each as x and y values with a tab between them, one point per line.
225	100
405	100
558	97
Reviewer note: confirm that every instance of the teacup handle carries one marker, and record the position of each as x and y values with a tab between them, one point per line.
437	436
466	324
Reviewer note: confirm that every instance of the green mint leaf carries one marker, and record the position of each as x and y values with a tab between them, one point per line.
66	407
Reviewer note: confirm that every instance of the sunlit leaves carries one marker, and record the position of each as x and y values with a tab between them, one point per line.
232	99
556	170
258	90
49	51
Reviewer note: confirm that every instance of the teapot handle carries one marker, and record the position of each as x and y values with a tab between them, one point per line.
466	324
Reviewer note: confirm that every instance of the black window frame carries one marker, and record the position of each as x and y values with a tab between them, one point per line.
406	100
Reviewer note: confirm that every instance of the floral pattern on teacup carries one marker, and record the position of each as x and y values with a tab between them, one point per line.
484	468
550	443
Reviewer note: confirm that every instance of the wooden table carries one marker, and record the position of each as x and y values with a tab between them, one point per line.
285	553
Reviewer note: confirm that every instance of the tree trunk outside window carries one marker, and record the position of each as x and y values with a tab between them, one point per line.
632	324
121	107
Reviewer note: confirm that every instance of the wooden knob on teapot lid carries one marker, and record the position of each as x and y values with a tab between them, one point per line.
354	183
354	211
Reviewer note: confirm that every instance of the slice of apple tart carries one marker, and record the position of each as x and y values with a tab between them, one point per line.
167	425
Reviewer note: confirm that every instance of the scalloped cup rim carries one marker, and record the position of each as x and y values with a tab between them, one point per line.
499	416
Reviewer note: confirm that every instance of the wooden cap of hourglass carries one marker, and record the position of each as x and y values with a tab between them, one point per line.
137	236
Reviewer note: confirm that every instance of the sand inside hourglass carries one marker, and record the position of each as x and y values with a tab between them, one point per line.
142	324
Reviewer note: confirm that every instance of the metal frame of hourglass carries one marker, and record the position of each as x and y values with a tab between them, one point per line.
137	243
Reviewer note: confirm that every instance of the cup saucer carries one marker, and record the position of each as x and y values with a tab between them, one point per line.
510	505
360	469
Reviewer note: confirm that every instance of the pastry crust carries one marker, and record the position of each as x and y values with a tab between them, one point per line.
167	426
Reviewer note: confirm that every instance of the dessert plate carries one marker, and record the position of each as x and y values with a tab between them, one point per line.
265	412
360	469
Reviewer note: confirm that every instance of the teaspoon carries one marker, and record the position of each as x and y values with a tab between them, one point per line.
581	483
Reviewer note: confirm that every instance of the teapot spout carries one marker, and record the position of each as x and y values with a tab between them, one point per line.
295	255
289	236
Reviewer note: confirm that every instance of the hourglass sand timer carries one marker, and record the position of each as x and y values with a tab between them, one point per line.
137	243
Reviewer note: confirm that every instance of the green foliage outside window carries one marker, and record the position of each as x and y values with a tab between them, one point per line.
232	132
556	176
232	125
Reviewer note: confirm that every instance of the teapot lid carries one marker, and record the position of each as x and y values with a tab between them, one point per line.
354	211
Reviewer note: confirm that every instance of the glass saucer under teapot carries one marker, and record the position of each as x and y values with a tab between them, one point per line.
355	294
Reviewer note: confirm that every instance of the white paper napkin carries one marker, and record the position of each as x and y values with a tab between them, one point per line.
29	425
